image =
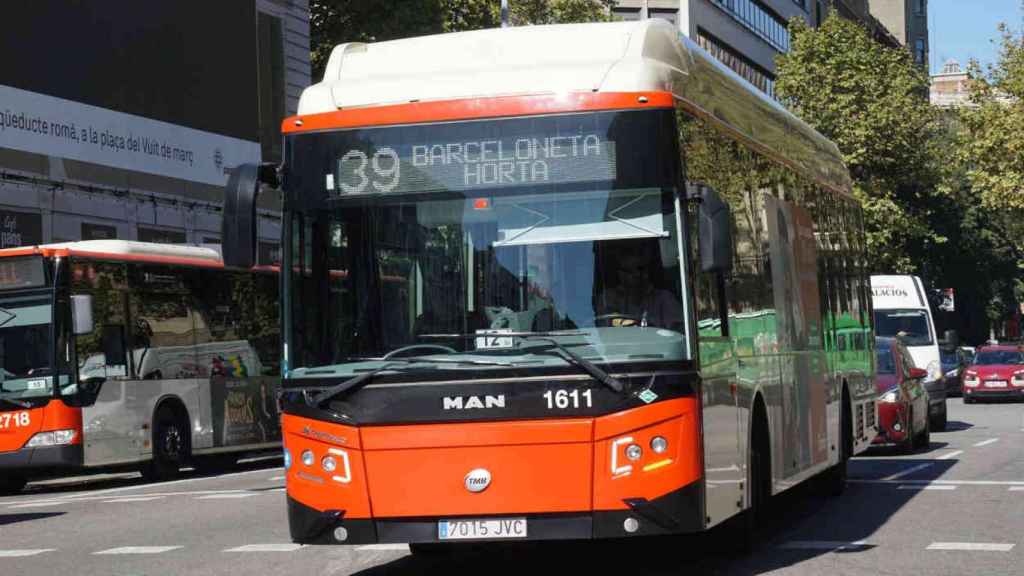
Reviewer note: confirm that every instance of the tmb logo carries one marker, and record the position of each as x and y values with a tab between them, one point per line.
473	402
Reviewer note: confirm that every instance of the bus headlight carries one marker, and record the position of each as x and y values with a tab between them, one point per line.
634	452
329	464
307	457
659	444
51	438
287	459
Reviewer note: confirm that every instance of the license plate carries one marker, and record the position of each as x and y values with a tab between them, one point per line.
481	529
996	384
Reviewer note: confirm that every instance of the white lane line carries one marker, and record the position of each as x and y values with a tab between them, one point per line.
137	550
266	548
146	495
926	487
136	499
1016	488
950	455
910	470
950	482
822	545
38	504
92	493
275	478
225	496
23	553
986	442
971	546
384	548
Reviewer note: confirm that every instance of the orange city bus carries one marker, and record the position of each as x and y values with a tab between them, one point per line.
121	354
615	271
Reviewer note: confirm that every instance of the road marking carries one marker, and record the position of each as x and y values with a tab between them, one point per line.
136	499
971	546
926	487
144	486
275	478
69	499
950	455
823	545
1016	488
137	550
225	496
910	470
986	442
38	504
951	482
266	548
23	553
384	547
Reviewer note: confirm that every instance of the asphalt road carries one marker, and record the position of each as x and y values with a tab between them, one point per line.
955	508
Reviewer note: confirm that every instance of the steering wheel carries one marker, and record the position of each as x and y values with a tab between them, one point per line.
398	351
608	318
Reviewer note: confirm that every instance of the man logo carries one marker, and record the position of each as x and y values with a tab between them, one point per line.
473	402
478	480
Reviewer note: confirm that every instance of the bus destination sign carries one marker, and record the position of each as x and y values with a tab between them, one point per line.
473	165
22	273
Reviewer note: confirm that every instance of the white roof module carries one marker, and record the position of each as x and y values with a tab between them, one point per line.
135	250
643	56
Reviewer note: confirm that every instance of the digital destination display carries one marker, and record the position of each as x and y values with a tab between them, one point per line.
466	165
22	273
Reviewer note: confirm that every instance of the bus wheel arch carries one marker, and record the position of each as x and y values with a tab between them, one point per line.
171	440
759	458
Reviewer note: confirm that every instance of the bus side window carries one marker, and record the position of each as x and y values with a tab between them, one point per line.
162	330
106	283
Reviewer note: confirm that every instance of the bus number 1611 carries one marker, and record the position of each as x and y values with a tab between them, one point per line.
564	399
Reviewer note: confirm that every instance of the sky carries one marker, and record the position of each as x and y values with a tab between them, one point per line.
964	29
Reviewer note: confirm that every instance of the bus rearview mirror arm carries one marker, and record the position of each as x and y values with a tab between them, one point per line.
239	224
714	228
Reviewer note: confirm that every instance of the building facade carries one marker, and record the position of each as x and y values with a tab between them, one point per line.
951	87
128	124
747	35
907	20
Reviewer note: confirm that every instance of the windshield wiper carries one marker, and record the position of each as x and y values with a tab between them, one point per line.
588	366
17	403
364	378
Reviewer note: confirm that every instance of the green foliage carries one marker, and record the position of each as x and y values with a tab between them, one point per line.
992	139
333	22
872	102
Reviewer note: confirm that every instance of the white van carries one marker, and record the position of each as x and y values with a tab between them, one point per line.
901	309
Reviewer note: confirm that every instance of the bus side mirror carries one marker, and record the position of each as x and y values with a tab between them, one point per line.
238	227
81	314
714	230
114	346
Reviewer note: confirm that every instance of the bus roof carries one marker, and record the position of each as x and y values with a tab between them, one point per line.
567	59
125	250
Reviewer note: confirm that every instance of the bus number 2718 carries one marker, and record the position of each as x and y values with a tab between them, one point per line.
565	399
14	420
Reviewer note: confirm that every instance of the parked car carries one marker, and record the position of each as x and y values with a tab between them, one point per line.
997	372
902	398
954	362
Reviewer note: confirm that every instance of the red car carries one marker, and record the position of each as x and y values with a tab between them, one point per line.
997	372
903	400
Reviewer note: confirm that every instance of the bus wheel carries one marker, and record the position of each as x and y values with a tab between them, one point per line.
834	480
170	447
10	485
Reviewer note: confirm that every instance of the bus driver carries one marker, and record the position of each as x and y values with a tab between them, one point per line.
633	299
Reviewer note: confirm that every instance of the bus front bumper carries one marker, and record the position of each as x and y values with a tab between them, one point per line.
42	459
674	513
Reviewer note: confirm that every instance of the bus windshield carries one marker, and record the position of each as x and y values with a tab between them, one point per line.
910	324
429	242
25	347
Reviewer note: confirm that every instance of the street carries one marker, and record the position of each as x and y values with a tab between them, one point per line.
951	509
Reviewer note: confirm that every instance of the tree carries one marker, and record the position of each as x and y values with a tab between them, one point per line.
992	139
333	22
872	102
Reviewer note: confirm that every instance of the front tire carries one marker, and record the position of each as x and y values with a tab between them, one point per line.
924	439
170	447
939	422
12	484
910	436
